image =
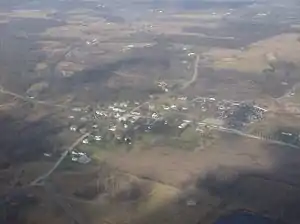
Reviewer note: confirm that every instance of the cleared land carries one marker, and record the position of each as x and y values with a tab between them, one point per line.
129	74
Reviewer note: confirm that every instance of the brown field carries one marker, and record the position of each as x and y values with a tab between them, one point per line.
63	54
227	176
257	56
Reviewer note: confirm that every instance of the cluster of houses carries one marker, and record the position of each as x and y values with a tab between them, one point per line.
234	114
163	85
80	157
121	120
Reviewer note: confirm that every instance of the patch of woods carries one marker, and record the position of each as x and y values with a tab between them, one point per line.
14	206
279	78
22	140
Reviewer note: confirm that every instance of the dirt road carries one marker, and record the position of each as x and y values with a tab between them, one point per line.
42	178
195	74
18	96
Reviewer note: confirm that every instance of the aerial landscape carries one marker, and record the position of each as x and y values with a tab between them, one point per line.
150	111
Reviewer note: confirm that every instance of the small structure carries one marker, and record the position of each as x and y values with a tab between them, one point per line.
117	115
73	128
76	109
85	141
130	46
124	104
166	107
84	159
182	126
191	202
80	157
154	115
113	128
123	118
183	98
260	108
199	129
98	138
135	113
128	140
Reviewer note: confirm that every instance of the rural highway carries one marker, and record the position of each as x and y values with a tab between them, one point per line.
40	179
237	132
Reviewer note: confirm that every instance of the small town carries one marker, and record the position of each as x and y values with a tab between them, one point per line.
124	121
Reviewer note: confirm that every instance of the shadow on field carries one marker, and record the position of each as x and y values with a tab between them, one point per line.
22	141
272	196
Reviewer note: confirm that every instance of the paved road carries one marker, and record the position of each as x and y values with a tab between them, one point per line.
42	178
237	132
